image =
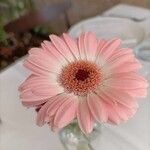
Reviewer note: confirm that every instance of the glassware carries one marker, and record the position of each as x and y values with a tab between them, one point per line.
143	53
72	138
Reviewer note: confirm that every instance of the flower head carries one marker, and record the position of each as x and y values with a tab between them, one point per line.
88	79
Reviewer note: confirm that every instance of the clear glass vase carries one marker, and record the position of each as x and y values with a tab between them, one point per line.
143	54
72	138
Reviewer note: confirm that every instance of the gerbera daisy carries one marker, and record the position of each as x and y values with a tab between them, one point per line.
87	79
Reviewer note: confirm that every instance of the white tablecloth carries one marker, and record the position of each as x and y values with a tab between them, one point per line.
19	132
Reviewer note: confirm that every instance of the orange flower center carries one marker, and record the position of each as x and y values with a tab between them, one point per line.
80	77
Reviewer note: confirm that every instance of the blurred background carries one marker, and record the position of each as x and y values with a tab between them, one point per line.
25	23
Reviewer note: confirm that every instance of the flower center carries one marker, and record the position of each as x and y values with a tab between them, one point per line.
82	74
80	77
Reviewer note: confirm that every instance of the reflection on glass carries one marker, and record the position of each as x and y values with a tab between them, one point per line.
143	54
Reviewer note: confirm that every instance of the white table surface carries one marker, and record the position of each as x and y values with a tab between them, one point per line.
19	132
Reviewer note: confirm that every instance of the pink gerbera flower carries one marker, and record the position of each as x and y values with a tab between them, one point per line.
88	79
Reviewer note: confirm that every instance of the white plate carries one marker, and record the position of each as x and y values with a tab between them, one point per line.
107	27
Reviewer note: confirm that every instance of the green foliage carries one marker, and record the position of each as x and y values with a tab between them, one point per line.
10	10
15	8
3	34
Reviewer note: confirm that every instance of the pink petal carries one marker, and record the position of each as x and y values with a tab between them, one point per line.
45	63
53	107
103	97
33	103
58	111
53	52
122	115
101	44
50	120
53	127
125	67
129	111
98	59
21	87
119	53
130	81
71	43
40	121
122	112
35	81
47	90
29	99
35	69
137	92
42	86
109	48
43	52
49	51
49	109
121	97
97	108
90	45
67	112
113	117
84	116
81	46
37	51
61	46
121	60
119	113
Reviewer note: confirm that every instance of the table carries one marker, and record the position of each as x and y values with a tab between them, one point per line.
19	132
